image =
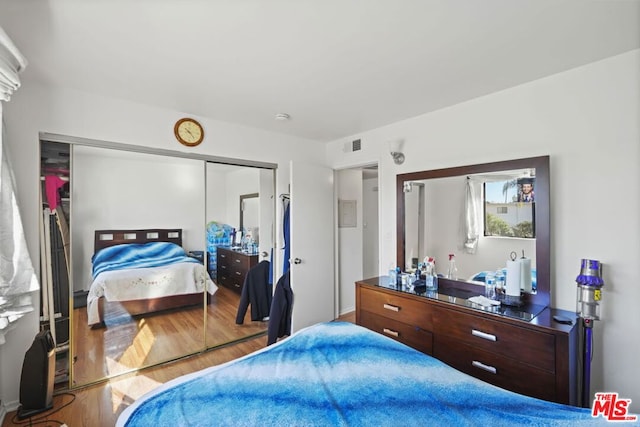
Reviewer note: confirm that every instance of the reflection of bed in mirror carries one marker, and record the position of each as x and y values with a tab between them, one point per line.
143	272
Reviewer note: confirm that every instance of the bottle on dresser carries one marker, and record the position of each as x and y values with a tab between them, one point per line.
431	278
452	272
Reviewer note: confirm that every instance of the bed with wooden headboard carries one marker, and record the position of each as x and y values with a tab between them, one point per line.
142	272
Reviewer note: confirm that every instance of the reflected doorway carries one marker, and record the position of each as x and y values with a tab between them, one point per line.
358	247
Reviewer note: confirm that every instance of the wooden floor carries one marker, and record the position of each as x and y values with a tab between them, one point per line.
128	343
101	404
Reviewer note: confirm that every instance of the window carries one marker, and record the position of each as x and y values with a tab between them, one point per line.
509	208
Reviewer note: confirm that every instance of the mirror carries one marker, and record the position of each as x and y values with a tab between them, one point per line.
228	264
172	197
480	214
249	215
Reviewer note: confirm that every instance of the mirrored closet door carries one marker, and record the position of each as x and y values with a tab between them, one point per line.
114	220
239	238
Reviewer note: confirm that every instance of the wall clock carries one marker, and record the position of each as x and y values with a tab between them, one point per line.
188	132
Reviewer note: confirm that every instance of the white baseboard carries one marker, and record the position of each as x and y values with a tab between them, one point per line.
347	310
5	408
10	406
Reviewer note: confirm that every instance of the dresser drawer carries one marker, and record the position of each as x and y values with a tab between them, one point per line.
413	336
396	307
224	257
233	267
236	278
491	367
240	261
527	346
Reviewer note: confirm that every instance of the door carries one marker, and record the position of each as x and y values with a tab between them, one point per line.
312	244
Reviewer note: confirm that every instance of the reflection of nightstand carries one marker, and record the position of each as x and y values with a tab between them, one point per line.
199	255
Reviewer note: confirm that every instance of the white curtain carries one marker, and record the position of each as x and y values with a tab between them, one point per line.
11	63
17	276
472	216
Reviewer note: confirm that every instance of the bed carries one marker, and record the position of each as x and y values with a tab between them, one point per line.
143	272
338	373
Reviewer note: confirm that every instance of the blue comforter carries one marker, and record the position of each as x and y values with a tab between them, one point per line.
134	255
339	374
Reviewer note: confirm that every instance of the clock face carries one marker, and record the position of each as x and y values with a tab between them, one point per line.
189	132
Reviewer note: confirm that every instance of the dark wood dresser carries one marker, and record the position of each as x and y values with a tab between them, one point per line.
536	357
233	266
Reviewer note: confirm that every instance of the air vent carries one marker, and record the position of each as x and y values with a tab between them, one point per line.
351	146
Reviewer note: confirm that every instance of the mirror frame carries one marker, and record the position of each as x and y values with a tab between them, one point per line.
244	197
542	215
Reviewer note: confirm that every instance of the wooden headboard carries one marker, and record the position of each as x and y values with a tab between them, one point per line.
106	238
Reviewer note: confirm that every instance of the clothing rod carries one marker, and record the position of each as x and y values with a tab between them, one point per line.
64	178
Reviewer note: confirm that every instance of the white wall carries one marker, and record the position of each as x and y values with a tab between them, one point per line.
36	108
267	212
349	183
240	182
122	190
588	121
370	238
216	195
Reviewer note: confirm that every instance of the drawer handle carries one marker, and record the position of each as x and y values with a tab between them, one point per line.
391	307
483	335
237	260
390	332
236	285
238	273
484	367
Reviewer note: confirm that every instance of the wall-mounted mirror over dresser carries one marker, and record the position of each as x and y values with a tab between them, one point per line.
434	212
485	215
111	211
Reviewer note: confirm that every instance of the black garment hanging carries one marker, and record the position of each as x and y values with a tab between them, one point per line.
257	291
286	229
281	308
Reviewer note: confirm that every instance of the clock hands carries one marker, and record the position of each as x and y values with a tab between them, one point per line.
188	132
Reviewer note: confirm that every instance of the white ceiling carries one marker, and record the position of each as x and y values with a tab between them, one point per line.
338	67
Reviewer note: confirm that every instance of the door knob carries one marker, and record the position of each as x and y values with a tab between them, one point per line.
297	260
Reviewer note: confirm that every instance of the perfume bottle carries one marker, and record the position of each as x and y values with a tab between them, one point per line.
452	272
430	277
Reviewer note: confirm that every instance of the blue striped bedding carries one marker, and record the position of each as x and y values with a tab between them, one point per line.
138	255
339	374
